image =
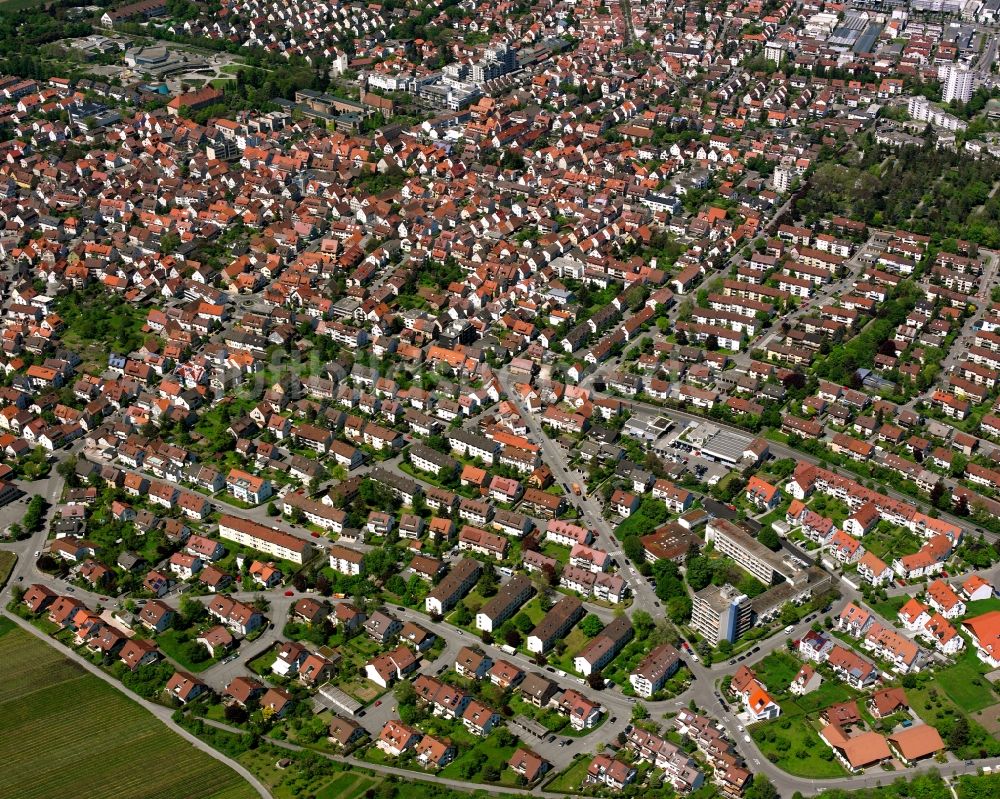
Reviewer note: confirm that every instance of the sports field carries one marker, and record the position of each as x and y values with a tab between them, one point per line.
66	733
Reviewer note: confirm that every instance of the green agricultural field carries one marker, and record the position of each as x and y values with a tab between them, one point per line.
347	786
7	562
57	717
17	5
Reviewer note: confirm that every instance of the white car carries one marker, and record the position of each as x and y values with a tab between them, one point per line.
694	657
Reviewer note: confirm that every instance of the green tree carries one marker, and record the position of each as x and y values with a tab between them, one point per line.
524	623
679	609
698	572
761	788
643	624
462	616
769	538
789	613
591	625
192	611
959	734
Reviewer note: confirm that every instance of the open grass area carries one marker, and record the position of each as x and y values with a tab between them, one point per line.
892	542
977	608
794	745
777	670
570	780
890	607
172	647
965	684
557	551
829	693
575	641
496	756
56	717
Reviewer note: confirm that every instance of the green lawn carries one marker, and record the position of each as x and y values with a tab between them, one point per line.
172	647
575	641
892	543
570	780
977	608
56	717
794	745
777	670
889	608
964	683
557	551
533	610
263	661
829	693
496	756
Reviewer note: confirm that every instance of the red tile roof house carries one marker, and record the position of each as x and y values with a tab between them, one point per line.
887	701
290	656
472	664
479	719
242	690
216	640
583	714
276	702
247	487
976	588
396	738
916	743
185	687
38	597
528	765
138	652
615	774
385	669
239	618
854	620
434	753
156	616
943	599
762	494
985	632
624	503
204	548
315	669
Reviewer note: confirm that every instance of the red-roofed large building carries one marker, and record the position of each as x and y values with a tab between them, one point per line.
976	588
757	702
874	570
985	632
276	543
762	494
943	599
916	743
